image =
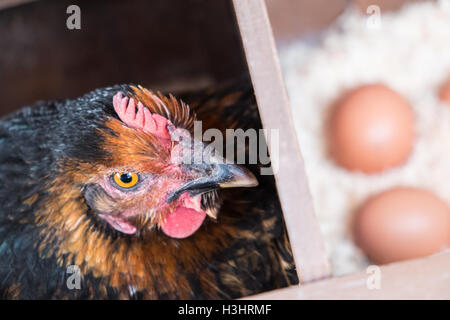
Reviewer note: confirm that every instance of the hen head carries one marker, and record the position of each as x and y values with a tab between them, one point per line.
143	183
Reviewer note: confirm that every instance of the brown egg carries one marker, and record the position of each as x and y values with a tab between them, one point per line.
444	92
402	223
371	129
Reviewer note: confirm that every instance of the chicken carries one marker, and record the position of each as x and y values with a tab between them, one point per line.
99	185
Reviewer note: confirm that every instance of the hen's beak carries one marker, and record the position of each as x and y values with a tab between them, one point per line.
232	176
214	176
211	173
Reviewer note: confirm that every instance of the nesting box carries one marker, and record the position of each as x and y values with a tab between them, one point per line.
197	58
414	279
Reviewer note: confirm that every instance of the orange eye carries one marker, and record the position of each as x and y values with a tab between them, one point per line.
126	180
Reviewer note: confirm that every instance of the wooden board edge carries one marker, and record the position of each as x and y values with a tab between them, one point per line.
293	190
424	278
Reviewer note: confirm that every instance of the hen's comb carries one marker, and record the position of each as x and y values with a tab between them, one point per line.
169	107
141	118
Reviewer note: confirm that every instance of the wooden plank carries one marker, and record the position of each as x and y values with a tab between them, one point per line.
306	240
426	278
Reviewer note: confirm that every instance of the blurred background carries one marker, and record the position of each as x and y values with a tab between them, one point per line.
195	44
293	19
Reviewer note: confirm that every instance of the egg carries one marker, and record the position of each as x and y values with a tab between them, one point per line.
402	223
444	92
371	129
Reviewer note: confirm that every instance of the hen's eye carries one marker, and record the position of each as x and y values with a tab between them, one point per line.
126	180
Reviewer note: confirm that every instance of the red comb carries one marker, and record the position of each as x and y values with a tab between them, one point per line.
142	118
